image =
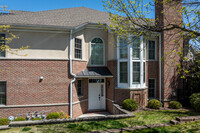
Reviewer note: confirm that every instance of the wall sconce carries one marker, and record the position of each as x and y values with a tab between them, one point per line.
108	83
41	78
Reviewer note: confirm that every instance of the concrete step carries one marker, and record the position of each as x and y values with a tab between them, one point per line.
174	122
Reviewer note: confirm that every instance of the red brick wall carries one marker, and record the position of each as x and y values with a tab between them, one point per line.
169	72
109	94
23	86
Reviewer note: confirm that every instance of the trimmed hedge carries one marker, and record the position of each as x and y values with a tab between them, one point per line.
154	104
34	119
195	101
54	115
4	121
175	105
130	104
20	119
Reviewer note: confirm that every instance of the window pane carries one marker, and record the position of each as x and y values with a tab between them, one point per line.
123	48
152	47
136	48
123	72
151	88
3	93
136	72
97	52
79	88
2	42
78	48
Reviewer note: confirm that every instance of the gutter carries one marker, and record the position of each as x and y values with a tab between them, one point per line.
160	67
71	73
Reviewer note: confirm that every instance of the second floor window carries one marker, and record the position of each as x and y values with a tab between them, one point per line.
152	50
78	48
97	52
2	44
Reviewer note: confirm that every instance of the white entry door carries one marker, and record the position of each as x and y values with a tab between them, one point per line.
96	95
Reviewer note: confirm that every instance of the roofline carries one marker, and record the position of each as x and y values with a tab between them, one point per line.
52	27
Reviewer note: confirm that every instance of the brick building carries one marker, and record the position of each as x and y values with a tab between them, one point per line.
74	65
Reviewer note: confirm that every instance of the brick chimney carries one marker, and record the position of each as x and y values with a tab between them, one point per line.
172	42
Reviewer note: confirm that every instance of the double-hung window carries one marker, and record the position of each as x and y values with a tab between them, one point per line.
78	48
79	88
151	91
2	93
152	49
2	45
123	60
131	62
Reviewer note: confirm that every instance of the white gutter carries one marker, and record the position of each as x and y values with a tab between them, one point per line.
74	79
160	67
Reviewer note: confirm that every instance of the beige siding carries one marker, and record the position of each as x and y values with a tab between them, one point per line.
112	46
43	45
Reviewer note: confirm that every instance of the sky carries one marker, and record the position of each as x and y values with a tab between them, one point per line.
41	5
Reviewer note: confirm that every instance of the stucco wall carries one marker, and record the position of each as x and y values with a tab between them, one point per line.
43	45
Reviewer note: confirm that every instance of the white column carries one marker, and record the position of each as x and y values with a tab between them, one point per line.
141	61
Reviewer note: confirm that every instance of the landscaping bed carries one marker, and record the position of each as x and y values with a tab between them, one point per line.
142	118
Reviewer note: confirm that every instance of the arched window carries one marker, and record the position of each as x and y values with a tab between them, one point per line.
97	52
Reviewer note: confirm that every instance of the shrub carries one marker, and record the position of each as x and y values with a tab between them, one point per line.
63	115
195	101
130	104
4	121
34	119
54	115
175	105
154	104
20	119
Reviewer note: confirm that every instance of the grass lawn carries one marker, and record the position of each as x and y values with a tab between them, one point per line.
142	118
193	127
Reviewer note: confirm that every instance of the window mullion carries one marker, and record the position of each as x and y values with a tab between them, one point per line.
141	61
130	74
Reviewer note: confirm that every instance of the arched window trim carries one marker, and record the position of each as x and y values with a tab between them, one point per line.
103	50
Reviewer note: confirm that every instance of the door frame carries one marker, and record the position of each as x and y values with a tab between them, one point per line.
104	108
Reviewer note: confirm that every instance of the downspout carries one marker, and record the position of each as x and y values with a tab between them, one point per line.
160	67
71	73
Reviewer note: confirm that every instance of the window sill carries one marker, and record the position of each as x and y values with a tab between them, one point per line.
75	59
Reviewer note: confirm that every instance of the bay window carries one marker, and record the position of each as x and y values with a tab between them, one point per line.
131	62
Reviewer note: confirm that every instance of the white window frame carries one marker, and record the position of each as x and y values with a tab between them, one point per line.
155	50
103	51
142	60
5	44
75	48
154	88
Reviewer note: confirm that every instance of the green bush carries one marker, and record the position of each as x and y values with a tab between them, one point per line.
154	104
20	119
130	104
34	119
175	105
54	115
195	101
4	121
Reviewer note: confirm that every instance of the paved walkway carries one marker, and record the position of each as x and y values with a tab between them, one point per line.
94	114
